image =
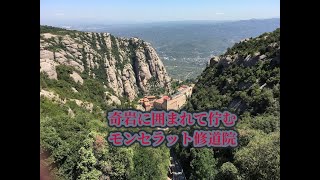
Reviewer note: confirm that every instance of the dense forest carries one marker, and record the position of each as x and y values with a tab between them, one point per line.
251	91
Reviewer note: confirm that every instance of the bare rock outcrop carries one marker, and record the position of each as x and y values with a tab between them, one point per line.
47	63
126	65
111	99
76	77
247	60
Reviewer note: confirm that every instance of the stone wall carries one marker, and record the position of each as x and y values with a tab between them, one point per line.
176	103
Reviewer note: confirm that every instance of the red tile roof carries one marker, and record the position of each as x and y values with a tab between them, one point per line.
166	97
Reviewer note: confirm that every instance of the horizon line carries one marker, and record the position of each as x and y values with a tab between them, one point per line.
122	22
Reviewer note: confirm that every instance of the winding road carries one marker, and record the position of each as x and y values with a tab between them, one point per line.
177	171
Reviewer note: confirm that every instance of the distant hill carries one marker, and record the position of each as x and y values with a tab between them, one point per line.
185	46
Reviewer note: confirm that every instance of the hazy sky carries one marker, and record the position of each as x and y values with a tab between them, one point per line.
121	11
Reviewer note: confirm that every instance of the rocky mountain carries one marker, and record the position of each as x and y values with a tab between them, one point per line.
245	80
125	67
251	68
83	75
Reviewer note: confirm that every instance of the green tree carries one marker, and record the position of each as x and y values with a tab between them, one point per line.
203	164
87	162
150	163
121	162
260	159
228	172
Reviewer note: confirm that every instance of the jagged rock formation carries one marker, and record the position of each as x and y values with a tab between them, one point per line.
247	60
124	65
245	78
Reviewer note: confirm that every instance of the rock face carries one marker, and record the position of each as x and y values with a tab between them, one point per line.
52	96
76	77
47	64
214	60
124	65
248	59
112	100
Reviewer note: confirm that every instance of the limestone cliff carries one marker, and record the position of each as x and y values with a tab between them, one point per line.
127	66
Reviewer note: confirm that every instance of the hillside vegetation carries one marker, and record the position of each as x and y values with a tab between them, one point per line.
246	81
